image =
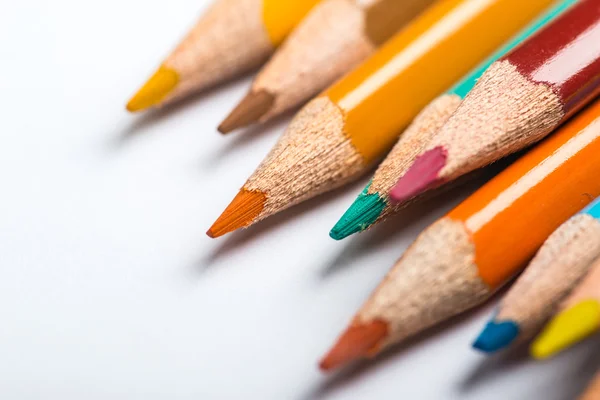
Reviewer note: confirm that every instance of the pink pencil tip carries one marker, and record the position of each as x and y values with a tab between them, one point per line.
421	176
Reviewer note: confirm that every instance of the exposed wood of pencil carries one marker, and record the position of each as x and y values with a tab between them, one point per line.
518	101
564	259
313	156
338	135
373	205
334	38
435	279
231	38
593	390
463	258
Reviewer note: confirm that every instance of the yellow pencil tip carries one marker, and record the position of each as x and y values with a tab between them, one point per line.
155	90
567	328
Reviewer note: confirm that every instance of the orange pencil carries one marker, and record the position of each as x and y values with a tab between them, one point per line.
461	260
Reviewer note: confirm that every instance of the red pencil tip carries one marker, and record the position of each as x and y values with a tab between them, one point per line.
421	176
357	342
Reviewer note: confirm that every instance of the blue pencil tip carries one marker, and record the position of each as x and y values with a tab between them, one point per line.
363	213
496	336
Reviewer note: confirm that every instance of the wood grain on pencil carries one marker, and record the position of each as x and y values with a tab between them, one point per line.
336	137
373	204
232	37
333	39
518	101
593	390
459	261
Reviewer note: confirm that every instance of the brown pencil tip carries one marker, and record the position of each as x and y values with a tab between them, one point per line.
242	211
248	111
359	340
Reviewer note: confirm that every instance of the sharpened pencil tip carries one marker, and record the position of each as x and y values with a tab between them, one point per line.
421	176
359	340
155	90
496	336
250	110
567	328
241	212
363	213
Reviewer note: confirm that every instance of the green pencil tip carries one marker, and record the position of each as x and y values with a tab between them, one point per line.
363	213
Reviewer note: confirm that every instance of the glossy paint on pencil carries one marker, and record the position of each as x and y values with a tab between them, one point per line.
521	99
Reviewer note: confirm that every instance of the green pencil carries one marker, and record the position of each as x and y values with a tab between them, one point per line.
372	205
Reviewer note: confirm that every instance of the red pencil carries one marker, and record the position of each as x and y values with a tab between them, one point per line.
518	101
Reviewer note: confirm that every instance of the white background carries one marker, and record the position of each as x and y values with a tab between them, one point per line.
109	287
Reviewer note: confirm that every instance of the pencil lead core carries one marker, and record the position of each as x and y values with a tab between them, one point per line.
496	336
240	213
421	176
250	110
357	342
155	90
363	213
567	328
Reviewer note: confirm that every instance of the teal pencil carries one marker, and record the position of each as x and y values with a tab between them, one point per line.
564	259
373	205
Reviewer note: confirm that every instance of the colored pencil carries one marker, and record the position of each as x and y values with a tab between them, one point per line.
577	318
337	136
564	259
463	258
334	38
372	204
593	390
232	37
519	100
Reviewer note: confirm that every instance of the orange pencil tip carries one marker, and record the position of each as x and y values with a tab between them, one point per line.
242	212
357	342
250	110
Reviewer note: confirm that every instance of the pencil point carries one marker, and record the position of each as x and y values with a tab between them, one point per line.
421	176
242	212
155	90
496	336
248	111
358	341
567	328
363	213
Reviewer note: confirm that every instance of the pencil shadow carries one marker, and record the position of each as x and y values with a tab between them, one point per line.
153	116
243	137
362	369
496	365
415	217
240	239
493	365
579	377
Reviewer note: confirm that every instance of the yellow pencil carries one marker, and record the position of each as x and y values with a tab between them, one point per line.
577	318
232	37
